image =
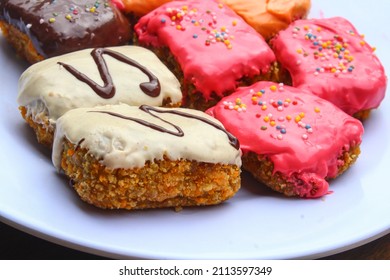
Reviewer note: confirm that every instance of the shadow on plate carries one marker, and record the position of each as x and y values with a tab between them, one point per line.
11	59
27	135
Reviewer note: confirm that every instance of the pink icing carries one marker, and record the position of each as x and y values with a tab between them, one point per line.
302	135
332	60
212	44
119	4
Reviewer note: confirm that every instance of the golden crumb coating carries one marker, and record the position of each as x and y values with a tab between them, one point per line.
362	115
44	131
262	169
20	42
162	183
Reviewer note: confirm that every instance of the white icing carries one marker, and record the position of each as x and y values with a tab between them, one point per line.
60	91
38	112
121	143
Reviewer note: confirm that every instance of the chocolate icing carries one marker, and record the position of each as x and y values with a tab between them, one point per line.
151	88
56	27
178	131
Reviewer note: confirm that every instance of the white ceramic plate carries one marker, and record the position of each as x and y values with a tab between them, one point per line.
256	223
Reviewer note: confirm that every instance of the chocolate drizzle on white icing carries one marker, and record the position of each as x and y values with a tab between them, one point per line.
151	88
177	130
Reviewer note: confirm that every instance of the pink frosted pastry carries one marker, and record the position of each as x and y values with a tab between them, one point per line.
332	60
291	140
208	46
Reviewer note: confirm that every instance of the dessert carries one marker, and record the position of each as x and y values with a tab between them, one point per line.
42	29
139	8
291	140
92	77
208	46
332	60
267	17
129	157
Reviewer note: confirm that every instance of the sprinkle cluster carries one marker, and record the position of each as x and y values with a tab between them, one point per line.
73	13
333	55
206	22
270	112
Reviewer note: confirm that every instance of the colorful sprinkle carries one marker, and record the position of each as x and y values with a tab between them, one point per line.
208	24
335	48
270	109
237	106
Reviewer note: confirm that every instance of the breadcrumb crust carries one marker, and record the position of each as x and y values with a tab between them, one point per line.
21	43
43	131
162	183
263	170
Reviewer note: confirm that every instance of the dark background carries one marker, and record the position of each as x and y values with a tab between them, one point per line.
17	245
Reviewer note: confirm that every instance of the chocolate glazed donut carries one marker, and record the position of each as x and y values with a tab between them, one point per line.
57	27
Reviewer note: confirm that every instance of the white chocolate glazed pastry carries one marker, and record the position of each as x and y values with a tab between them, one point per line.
134	157
93	77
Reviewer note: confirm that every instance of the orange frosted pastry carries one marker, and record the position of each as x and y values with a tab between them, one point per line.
268	17
140	7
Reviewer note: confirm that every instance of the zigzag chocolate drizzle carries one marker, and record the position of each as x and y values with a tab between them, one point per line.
178	131
151	88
